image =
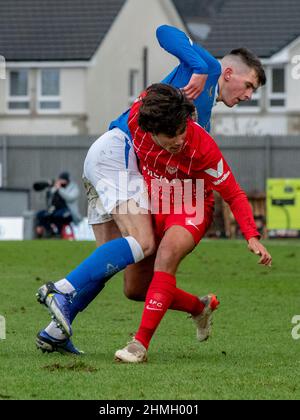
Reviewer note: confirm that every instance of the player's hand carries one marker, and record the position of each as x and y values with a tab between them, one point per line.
258	249
195	86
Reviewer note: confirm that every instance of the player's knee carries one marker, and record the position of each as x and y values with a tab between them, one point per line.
167	256
147	244
133	294
149	247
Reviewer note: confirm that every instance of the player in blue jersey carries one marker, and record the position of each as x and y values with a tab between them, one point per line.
204	79
126	240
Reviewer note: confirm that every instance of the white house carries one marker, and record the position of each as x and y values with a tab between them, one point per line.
72	66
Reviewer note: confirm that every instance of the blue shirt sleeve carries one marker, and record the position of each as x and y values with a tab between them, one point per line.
181	46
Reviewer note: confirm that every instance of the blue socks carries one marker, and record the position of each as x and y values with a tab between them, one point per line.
85	297
104	262
89	278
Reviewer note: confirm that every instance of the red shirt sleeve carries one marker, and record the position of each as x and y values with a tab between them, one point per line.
219	177
239	205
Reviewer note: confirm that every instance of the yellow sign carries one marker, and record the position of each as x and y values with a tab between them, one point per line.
283	205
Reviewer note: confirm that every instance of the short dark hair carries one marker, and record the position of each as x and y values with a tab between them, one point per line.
253	62
165	110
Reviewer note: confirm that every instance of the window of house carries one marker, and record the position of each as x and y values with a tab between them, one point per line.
49	90
277	87
18	92
133	85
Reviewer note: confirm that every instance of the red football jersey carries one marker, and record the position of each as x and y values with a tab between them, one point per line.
199	158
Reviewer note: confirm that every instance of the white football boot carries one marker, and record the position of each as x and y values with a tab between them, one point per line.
134	352
203	321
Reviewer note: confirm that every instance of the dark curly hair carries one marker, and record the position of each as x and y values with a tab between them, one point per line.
164	110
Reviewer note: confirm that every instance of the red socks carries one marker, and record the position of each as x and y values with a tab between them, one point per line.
185	302
159	297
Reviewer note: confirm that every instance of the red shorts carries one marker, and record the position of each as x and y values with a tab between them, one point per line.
163	222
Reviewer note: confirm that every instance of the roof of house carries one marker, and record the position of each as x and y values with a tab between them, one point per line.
264	26
54	29
203	9
45	30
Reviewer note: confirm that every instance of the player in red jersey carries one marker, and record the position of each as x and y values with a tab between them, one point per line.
170	146
111	159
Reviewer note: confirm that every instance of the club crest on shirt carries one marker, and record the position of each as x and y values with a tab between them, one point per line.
171	170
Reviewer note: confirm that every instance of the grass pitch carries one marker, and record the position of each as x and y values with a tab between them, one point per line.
251	354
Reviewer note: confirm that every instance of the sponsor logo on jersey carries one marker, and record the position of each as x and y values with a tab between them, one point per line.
154	175
216	173
222	179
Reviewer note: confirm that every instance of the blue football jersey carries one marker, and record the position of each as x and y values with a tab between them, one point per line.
193	59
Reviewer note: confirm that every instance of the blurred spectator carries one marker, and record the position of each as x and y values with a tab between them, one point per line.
62	206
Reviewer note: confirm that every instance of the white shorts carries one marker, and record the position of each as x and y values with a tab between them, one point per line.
111	176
